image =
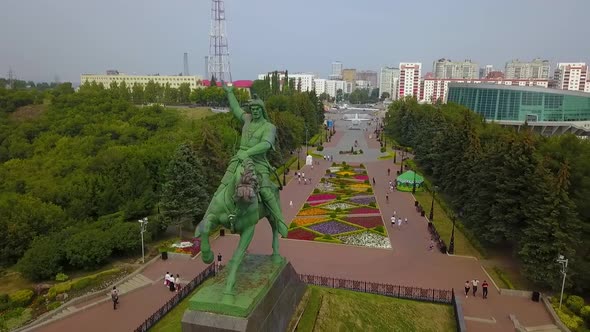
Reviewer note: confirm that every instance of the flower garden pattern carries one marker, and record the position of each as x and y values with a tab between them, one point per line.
342	209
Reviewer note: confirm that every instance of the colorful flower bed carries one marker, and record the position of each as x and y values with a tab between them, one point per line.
301	234
331	215
187	247
313	212
332	227
366	239
367	222
363	200
321	197
341	206
364	210
307	221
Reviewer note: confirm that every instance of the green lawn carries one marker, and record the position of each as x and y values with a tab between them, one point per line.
329	309
171	322
444	226
194	113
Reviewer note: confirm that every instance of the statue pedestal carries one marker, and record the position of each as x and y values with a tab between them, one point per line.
267	295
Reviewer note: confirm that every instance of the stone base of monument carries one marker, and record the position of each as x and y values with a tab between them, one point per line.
266	296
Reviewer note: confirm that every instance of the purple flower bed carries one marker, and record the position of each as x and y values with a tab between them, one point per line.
362	199
321	197
332	227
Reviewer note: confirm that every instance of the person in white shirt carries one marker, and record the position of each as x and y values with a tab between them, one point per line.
166	279
177	282
392	221
399	223
474	284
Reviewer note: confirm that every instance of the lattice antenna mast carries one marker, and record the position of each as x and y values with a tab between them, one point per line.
218	49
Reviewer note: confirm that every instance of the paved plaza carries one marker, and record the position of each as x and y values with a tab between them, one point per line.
408	262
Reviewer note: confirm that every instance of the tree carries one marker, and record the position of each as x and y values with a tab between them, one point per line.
213	82
339	95
184	196
324	96
184	91
88	249
385	95
43	260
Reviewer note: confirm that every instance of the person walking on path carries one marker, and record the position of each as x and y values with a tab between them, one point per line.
388	172
387	198
431	246
291	204
484	289
171	283
177	282
115	297
474	283
399	223
166	278
393	220
405	220
467	286
373	181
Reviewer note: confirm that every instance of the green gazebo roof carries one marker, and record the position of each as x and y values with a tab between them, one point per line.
408	177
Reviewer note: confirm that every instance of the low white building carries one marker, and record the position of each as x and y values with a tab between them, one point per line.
332	86
130	80
303	80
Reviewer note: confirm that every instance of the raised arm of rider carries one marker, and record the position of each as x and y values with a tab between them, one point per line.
234	105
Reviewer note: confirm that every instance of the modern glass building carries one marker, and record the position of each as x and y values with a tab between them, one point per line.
518	103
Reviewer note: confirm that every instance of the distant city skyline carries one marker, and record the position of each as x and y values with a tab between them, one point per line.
69	38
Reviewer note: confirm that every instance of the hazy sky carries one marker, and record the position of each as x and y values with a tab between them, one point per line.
42	39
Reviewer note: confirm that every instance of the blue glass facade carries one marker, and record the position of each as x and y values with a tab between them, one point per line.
515	103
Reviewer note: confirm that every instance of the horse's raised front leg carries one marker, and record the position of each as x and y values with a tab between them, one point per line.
202	232
276	256
236	260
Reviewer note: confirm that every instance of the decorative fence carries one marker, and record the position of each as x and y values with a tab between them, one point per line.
184	292
458	309
404	292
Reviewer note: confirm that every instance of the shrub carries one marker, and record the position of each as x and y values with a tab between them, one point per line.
53	305
292	225
361	151
123	237
21	298
316	191
327	237
327	172
575	303
82	283
338	197
338	209
88	249
58	289
306	205
362	165
382	149
344	163
61	277
17	318
43	260
4	302
320	148
380	229
334	164
585	314
333	215
372	204
571	322
369	190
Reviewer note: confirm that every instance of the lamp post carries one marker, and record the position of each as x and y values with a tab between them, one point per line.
434	189
452	242
285	170
414	186
306	146
299	158
142	226
563	261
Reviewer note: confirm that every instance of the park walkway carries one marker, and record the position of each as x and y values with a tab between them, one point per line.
409	262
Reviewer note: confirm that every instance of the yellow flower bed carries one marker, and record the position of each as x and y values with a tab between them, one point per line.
312	212
346	173
307	221
359	185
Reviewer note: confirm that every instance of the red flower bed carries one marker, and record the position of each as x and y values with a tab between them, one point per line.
321	197
363	210
367	222
301	234
361	177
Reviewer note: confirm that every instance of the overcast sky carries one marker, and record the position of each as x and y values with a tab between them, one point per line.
65	38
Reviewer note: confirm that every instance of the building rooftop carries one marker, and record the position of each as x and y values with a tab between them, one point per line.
520	88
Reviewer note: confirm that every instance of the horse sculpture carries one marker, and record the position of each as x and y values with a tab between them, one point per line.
237	207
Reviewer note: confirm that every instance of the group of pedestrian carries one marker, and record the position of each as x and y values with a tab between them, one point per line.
301	176
397	220
473	286
172	283
329	157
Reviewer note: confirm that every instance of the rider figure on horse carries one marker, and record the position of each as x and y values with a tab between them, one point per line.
258	137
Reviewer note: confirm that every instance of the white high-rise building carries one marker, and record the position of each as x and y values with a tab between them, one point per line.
409	79
389	80
536	69
336	70
572	76
319	85
332	86
447	69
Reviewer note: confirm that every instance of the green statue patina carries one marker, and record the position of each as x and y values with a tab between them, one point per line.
247	193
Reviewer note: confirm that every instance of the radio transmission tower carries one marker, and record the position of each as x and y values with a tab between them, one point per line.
218	50
185	72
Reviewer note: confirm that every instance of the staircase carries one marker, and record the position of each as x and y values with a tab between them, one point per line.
134	283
